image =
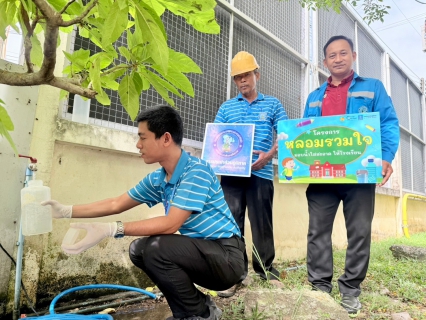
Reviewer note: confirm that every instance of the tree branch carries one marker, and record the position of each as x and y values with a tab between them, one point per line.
37	78
113	69
80	17
66	6
27	41
27	54
68	85
45	9
20	79
51	35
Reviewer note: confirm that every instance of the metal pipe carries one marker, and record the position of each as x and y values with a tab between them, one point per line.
18	276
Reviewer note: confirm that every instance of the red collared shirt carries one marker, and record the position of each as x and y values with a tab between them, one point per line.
335	97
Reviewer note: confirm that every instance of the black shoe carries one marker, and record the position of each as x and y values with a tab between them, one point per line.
322	289
351	304
229	292
213	315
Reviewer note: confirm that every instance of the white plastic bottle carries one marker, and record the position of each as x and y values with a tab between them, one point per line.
35	218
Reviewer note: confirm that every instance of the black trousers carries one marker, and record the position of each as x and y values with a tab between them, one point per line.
175	263
257	195
358	210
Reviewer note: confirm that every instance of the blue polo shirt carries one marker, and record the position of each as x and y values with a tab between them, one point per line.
264	113
193	187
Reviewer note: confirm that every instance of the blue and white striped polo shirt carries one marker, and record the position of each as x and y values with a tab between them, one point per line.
193	187
264	113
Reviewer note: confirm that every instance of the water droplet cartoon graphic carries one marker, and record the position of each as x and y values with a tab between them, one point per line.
227	143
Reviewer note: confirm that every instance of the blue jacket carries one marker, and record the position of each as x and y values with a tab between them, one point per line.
364	95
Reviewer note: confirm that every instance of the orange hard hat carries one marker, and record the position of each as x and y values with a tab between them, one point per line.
243	62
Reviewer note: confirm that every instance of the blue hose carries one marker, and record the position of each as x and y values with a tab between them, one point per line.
70	316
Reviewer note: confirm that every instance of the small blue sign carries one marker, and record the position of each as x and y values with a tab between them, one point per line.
228	148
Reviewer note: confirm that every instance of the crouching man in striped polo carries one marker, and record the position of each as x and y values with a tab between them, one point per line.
208	251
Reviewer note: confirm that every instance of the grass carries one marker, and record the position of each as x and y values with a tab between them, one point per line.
391	285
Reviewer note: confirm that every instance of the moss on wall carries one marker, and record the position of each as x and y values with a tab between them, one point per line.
50	284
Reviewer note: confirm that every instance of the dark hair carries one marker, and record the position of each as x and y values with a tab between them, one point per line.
335	38
161	119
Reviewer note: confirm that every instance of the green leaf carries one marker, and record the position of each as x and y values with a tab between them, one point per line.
95	37
81	56
57	4
109	83
4	20
167	85
98	22
104	7
145	83
76	8
123	4
68	56
183	63
199	13
117	73
36	51
125	53
129	39
204	22
6	125
179	80
153	32
137	80
83	32
103	98
105	59
78	60
128	96
11	14
158	87
5	119
130	24
141	51
158	8
6	134
115	23
94	72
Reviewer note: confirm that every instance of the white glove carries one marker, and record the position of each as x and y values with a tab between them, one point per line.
59	211
96	231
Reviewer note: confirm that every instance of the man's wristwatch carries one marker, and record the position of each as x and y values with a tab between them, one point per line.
120	230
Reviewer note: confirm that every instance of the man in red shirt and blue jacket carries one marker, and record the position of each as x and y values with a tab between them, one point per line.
346	92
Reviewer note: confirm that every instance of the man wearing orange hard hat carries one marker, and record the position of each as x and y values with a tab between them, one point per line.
257	191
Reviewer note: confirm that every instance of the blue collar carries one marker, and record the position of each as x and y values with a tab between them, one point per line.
178	170
260	96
